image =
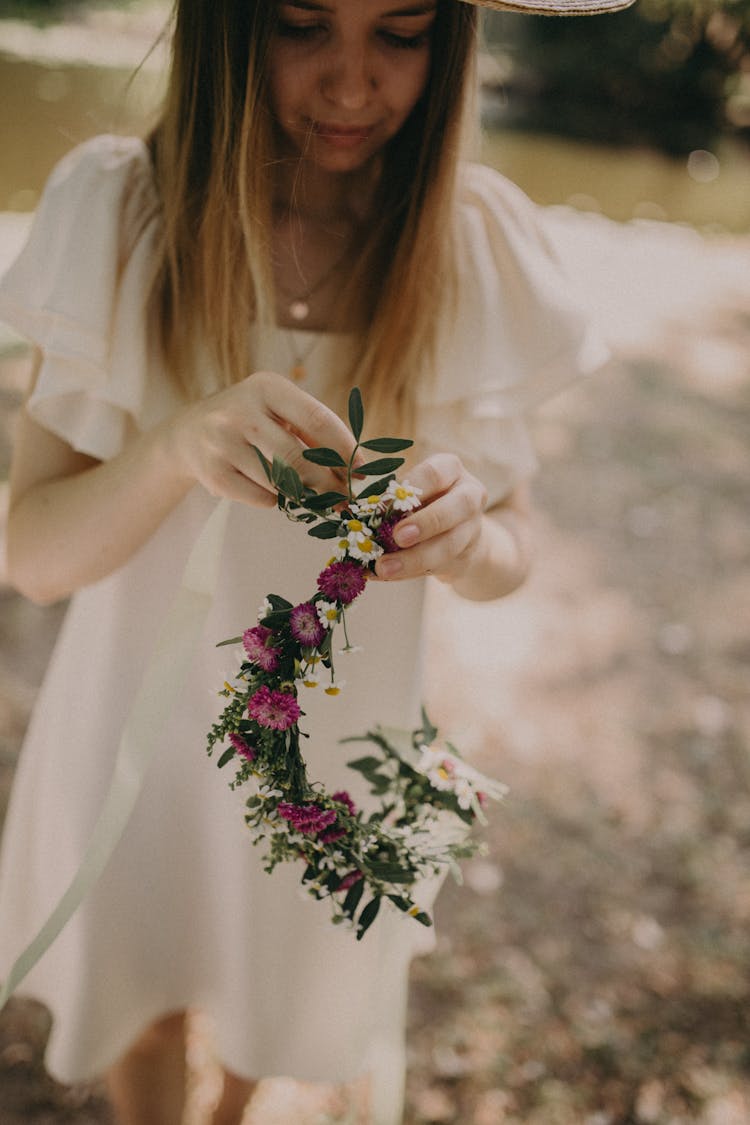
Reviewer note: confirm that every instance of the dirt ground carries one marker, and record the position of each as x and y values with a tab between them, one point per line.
593	970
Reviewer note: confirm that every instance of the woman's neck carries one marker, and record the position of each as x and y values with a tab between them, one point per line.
315	196
319	220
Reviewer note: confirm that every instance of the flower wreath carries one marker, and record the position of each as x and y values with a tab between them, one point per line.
429	796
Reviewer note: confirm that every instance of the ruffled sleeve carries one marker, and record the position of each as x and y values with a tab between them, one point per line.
77	291
519	334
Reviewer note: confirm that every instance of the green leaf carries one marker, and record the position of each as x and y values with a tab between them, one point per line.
391	873
374	489
264	462
365	765
226	757
325	500
353	896
380	783
290	483
428	730
387	444
276	619
325	530
231	641
367	917
382	465
401	903
356	412
277	471
324	456
277	602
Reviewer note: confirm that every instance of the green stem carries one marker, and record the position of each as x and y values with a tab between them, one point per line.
349	468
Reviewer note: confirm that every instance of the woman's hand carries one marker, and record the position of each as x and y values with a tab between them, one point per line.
212	441
451	536
91	516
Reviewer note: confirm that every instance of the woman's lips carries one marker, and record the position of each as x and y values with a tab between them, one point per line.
342	136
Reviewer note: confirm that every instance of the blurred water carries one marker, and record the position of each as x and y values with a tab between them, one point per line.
48	108
51	104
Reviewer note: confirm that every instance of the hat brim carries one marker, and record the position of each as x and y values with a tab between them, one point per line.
554	7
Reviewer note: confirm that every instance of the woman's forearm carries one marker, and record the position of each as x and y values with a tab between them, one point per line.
73	520
69	531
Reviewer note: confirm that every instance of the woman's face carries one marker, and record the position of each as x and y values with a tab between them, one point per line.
346	74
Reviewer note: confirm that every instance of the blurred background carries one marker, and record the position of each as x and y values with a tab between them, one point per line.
593	970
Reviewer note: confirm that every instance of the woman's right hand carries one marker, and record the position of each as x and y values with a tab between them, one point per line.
211	441
90	516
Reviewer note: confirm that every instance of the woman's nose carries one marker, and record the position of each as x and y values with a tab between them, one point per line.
348	81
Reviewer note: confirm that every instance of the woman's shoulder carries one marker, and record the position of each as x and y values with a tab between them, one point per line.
106	175
104	158
98	205
499	202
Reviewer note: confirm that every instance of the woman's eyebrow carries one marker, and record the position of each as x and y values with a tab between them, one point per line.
305	5
413	10
418	9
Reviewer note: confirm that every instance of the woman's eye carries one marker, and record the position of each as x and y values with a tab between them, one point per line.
405	42
298	30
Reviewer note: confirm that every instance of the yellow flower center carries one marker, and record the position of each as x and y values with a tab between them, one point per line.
332	689
442	771
402	493
355	525
365	546
228	687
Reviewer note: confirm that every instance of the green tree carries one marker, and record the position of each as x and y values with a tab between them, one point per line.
669	73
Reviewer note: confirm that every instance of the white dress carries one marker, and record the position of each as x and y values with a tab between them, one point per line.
184	916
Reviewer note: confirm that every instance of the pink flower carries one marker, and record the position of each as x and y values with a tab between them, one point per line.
257	643
331	835
349	880
343	797
384	534
342	581
305	625
277	710
242	747
307	819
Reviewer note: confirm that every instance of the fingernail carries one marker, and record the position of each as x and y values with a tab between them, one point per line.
406	534
389	568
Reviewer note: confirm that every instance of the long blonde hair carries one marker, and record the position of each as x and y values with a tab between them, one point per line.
213	152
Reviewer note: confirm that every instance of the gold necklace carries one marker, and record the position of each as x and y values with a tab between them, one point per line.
298	371
298	307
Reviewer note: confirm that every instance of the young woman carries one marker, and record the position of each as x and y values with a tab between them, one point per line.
298	222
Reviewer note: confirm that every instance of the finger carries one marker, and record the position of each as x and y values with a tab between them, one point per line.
235	485
312	421
436	474
463	502
437	556
274	440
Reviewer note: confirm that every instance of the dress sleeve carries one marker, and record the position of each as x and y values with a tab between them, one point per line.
77	291
518	335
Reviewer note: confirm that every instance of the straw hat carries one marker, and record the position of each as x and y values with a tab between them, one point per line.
554	7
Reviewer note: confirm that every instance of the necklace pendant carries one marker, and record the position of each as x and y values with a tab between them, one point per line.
298	372
299	310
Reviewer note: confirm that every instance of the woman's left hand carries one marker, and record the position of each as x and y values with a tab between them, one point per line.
445	535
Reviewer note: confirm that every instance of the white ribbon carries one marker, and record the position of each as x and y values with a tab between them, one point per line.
162	679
